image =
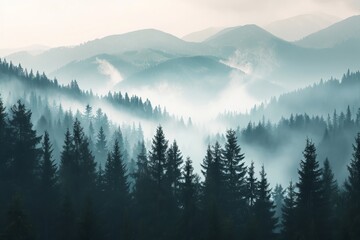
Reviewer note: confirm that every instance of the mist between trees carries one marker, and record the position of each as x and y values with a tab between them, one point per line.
159	196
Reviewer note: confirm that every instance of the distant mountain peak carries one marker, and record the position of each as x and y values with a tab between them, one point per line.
338	33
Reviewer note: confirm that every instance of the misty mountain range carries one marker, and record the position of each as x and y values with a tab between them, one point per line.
151	59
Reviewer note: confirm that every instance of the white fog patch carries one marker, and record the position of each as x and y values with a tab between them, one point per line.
111	72
256	63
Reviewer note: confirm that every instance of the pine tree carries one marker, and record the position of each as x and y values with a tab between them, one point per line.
329	190
264	210
101	148
25	153
48	188
87	168
173	171
234	174
309	199
118	197
189	201
251	185
352	188
69	167
143	196
289	224
278	196
115	173
4	143
213	193
157	157
48	169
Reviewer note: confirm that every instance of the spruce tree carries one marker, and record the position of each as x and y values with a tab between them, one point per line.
309	196
289	223
117	196
189	203
213	193
264	210
329	190
235	176
69	167
251	183
25	151
352	188
143	196
101	148
4	145
48	189
278	196
173	170
115	173
157	157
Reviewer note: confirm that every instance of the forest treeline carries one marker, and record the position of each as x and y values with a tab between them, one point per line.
162	197
40	82
318	99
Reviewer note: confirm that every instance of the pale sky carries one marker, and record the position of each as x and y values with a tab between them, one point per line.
70	22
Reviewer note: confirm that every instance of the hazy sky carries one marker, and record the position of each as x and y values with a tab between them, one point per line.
69	22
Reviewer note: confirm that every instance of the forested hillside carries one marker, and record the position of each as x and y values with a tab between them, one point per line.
161	197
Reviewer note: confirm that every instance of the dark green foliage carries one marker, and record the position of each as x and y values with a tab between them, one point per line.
167	199
88	229
189	225
157	157
234	174
309	198
17	225
115	173
289	223
251	183
278	197
25	153
69	167
48	190
352	188
329	193
173	168
264	210
101	148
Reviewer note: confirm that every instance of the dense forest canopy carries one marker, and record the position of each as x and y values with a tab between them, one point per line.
159	196
76	173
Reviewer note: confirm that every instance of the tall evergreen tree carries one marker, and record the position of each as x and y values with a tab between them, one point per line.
157	157
309	199
278	196
173	170
264	210
289	224
213	193
101	148
25	151
352	188
115	173
48	189
251	185
118	198
235	176
69	167
189	200
329	193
